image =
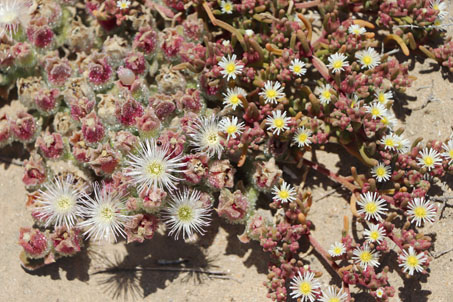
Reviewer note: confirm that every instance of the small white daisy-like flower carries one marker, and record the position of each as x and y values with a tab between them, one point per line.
403	145
284	193
60	202
448	151
14	13
205	136
365	256
324	93
375	233
230	68
337	62
411	261
373	206
231	97
153	166
381	172
231	126
356	29
337	249
421	211
379	292
439	24
390	142
226	6
333	294
272	92
429	158
302	137
185	214
123	4
104	215
297	67
304	287
368	58
389	120
383	97
249	32
226	42
377	110
441	7
278	122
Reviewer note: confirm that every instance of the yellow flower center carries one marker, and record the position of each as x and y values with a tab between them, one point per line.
326	94
374	235
389	142
337	250
155	168
227	7
436	6
375	111
9	17
302	137
366	256
271	93
356	31
367	60
185	213
231	129
337	64
412	261
420	212
450	153
64	203
384	120
334	299
279	123
381	98
230	67
297	68
380	171
283	194
123	5
234	99
371	207
305	288
212	138
429	161
107	213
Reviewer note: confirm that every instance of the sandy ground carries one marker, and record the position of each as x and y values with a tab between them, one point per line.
75	279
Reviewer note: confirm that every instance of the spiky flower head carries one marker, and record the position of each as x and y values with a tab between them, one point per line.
231	127
297	67
364	256
441	7
14	13
375	233
448	151
390	142
381	172
231	97
421	211
373	206
272	92
226	7
154	166
205	136
411	261
185	214
368	58
304	287
356	29
389	120
61	202
123	4
105	218
337	249
302	137
377	110
333	294
324	93
429	158
284	193
337	62
278	122
383	97
230	67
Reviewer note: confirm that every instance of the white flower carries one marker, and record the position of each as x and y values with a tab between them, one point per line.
324	93
337	249
364	256
185	214
123	4
439	24
421	210
368	58
375	233
379	292
153	166
230	68
429	158
411	261
231	97
286	193
304	287
60	202
249	32
333	294
441	7
389	120
337	62
390	141
272	92
372	205
448	154
302	137
104	215
297	67
402	144
226	42
205	136
278	122
383	97
14	13
356	29
226	6
381	172
231	127
377	110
